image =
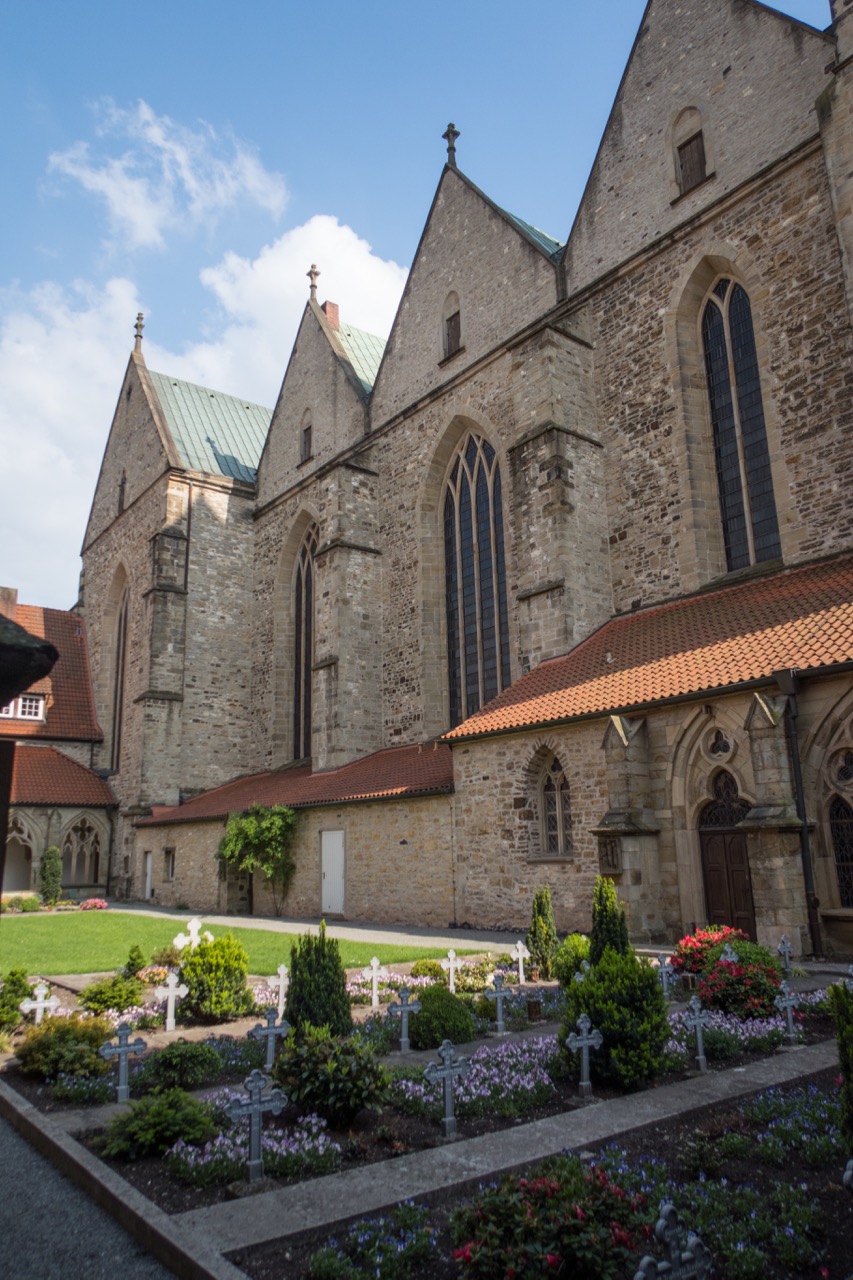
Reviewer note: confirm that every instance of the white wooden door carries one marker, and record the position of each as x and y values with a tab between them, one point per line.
332	871
149	875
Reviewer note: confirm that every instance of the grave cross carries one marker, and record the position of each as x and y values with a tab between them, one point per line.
372	975
666	973
451	966
729	954
695	1018
588	1039
40	1003
270	1033
848	981
191	938
280	980
446	1071
520	953
686	1257
404	1008
847	1179
786	1003
498	995
171	991
785	950
254	1107
581	973
122	1051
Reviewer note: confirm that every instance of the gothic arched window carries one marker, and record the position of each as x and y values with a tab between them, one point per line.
303	642
741	454
841	826
119	656
81	854
556	811
475	579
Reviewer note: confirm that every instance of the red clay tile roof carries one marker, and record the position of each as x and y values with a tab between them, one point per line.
799	618
70	703
43	775
386	775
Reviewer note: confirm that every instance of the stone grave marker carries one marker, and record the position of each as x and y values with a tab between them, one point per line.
404	1008
193	935
371	973
171	991
446	1071
785	950
282	982
848	981
847	1179
666	973
581	973
450	966
729	954
520	953
786	1002
497	995
589	1038
40	1002
122	1051
271	1032
685	1256
696	1018
255	1107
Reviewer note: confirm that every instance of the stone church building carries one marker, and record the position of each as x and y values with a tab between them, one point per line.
556	581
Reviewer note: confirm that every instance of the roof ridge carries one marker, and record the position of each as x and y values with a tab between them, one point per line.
200	386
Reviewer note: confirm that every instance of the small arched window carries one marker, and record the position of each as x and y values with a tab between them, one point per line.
841	827
303	646
741	453
691	161
556	810
451	326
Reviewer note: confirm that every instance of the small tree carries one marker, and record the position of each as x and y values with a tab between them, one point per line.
841	1007
261	840
542	935
317	993
609	927
50	875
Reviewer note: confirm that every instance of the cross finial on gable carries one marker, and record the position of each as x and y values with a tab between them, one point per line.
450	135
137	328
313	275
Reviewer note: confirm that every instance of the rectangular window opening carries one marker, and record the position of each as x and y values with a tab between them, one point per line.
691	163
452	334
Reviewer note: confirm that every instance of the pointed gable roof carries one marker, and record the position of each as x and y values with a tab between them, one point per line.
67	690
214	433
44	776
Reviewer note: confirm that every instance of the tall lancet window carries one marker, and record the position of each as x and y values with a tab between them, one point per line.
475	579
303	644
744	480
119	657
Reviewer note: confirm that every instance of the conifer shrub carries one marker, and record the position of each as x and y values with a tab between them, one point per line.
569	957
66	1046
331	1076
135	961
442	1017
50	876
317	994
624	1000
609	927
215	974
119	992
16	987
542	935
155	1123
840	1000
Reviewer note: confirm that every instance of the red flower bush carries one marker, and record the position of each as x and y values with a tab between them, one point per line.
747	987
691	953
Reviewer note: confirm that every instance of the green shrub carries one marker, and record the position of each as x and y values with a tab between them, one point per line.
29	904
50	875
118	992
169	956
428	969
625	1002
334	1077
569	957
542	935
746	987
442	1017
68	1045
840	999
184	1064
135	961
474	977
16	987
215	975
317	994
609	927
155	1123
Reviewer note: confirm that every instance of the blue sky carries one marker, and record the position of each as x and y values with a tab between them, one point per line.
191	160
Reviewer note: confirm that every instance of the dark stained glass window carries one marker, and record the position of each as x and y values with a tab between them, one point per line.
556	812
303	643
119	657
841	826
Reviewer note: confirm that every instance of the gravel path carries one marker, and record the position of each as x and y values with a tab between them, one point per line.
51	1231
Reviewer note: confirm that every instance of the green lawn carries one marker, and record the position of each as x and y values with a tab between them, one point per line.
97	941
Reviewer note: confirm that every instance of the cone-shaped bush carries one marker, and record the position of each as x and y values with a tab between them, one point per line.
609	927
317	994
542	936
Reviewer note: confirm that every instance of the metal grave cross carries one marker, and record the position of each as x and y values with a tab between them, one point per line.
191	938
785	950
588	1039
695	1019
270	1033
280	980
446	1071
451	966
666	973
729	954
404	1008
122	1051
686	1257
372	975
786	1002
41	1002
847	1179
171	991
848	981
520	953
498	994
254	1107
581	973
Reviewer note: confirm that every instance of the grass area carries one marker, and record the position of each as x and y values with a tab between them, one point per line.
97	941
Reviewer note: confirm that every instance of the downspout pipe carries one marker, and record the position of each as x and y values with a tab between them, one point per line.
789	684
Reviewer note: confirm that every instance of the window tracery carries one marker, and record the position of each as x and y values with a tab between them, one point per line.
303	643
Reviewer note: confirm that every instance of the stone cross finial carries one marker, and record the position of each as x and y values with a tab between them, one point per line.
270	1033
137	329
785	950
666	973
589	1038
450	966
255	1107
404	1008
280	980
695	1019
685	1256
446	1071
498	995
313	276
372	975
786	1002
450	135
520	953
122	1051
40	1003
171	991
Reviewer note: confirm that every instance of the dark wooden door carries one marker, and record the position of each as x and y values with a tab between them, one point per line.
728	888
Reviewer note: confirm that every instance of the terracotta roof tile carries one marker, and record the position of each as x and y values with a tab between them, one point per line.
43	775
68	689
800	618
386	775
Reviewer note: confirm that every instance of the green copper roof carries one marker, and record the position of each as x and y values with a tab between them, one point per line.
364	352
214	433
545	242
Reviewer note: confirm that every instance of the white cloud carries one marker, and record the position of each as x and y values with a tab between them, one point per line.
167	175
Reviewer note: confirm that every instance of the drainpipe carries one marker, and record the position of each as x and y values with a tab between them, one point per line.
789	685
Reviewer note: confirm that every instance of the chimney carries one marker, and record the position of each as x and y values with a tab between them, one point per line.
330	310
8	602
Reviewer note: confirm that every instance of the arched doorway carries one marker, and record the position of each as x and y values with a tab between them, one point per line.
725	860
